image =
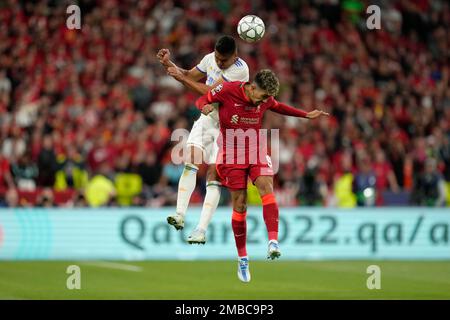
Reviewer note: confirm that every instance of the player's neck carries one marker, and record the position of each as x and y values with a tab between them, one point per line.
247	92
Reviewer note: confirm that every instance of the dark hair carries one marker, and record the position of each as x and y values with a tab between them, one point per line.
267	80
225	45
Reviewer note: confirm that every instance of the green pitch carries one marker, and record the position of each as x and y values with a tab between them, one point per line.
218	280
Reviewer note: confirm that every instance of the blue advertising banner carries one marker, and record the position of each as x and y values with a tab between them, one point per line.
143	234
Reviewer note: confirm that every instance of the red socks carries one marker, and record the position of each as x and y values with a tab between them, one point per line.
239	223
239	226
270	213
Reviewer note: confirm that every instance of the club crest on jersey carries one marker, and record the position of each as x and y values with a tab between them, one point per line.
257	109
234	119
216	89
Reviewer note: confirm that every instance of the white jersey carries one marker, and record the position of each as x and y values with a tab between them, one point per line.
205	131
236	72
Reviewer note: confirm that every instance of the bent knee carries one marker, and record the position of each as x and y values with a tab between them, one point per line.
241	207
266	189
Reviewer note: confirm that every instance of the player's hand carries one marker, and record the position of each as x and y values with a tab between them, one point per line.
176	73
207	109
164	57
316	113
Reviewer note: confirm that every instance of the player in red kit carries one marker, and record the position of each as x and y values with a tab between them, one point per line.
243	154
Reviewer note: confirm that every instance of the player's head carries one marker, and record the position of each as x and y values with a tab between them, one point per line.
264	86
225	52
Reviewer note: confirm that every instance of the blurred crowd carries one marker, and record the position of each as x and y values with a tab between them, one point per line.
86	116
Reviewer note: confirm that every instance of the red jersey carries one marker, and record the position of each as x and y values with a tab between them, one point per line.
241	121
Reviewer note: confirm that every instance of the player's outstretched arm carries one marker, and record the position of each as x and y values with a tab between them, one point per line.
287	110
316	113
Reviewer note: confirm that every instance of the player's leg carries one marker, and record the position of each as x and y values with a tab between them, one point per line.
188	179
212	197
239	226
213	185
235	179
210	203
264	184
186	186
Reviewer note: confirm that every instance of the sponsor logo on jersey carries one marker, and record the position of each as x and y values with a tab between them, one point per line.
216	89
249	120
235	119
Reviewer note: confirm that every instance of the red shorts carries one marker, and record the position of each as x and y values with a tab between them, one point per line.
235	177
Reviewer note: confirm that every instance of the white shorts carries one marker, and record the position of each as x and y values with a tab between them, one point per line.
204	135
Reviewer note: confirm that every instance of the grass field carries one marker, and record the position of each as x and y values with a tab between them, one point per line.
218	280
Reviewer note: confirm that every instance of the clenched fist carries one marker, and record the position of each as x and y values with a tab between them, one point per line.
164	57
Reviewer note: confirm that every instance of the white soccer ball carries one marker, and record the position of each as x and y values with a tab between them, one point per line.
251	28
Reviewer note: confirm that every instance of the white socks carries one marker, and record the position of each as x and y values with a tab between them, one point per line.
210	204
186	186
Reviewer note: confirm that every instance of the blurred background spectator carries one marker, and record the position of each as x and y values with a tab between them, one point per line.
25	173
86	115
429	186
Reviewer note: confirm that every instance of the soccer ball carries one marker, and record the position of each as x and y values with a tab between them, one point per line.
251	28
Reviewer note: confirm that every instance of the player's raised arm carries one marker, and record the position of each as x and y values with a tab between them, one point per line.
287	110
223	62
163	56
190	79
175	71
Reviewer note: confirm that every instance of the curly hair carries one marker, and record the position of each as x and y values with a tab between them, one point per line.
267	80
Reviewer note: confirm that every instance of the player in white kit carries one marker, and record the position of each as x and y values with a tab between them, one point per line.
221	65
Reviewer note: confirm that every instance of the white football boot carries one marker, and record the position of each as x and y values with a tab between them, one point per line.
273	250
197	236
243	269
176	220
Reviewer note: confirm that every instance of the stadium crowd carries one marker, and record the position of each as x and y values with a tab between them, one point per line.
86	116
